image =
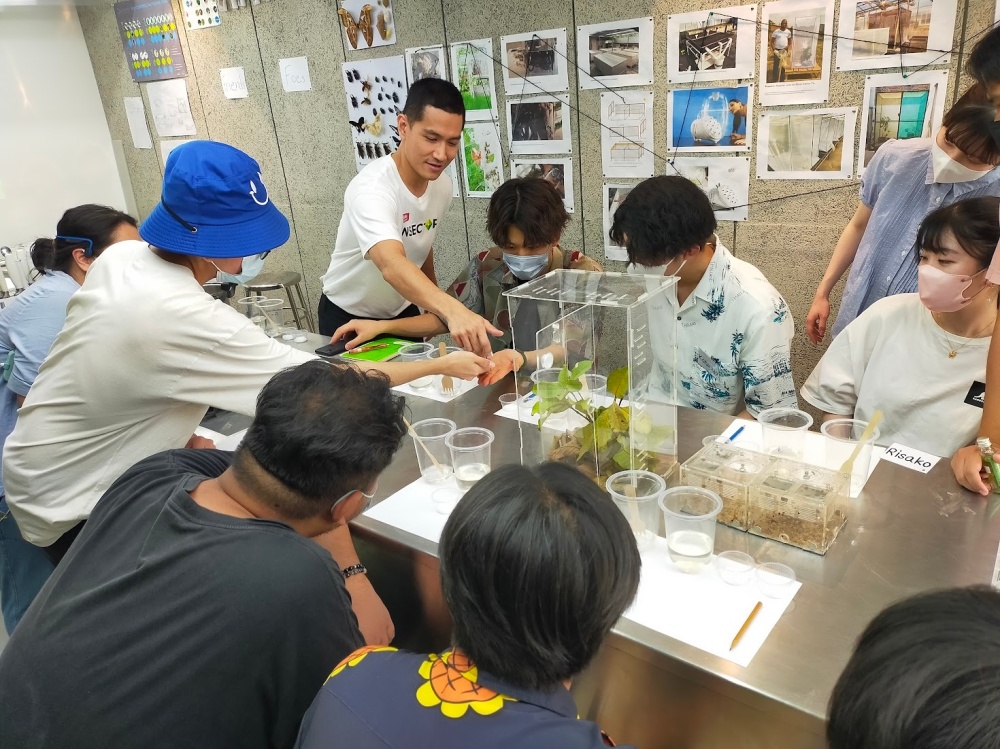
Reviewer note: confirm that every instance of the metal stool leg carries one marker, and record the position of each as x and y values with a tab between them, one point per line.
300	307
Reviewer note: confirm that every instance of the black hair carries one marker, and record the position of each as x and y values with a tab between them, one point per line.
736	101
974	222
923	675
97	223
537	565
533	205
320	431
984	60
433	92
967	126
661	218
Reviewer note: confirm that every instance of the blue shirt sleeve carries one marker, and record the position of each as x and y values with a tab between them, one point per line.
32	331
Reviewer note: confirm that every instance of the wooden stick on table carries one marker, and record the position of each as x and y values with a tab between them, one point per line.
420	442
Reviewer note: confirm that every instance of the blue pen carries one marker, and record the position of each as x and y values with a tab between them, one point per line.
734	435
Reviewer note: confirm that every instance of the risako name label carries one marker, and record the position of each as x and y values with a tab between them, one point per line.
909	457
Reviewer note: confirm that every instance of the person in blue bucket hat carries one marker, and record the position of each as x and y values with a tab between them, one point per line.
145	351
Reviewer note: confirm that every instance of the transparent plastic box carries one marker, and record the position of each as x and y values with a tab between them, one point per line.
728	470
799	504
623	327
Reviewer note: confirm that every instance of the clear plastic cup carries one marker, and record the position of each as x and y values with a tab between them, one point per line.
470	454
775	580
842	436
545	383
640	509
507	399
735	567
596	389
435	353
416	352
783	430
445	499
689	514
706	441
432	434
274	312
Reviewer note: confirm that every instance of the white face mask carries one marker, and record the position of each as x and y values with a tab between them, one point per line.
949	171
654	270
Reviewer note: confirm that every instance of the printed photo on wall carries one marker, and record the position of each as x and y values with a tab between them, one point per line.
614	54
425	62
539	124
893	35
711	45
557	171
367	23
482	159
807	144
795	52
898	108
472	72
710	119
376	93
534	63
613	197
452	171
724	179
627	133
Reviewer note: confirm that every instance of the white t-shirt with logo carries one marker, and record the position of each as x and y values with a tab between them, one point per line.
143	353
894	357
379	207
779	38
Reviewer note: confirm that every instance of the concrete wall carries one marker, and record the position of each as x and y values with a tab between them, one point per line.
303	143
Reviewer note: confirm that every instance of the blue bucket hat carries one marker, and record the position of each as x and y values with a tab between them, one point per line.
214	204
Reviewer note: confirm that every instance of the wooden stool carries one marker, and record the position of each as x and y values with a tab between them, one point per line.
288	282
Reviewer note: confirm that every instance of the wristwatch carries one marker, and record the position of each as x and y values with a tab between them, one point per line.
354	569
524	358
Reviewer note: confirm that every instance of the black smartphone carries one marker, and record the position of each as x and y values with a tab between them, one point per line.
333	349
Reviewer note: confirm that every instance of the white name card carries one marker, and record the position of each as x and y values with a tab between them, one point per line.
234	83
909	457
295	74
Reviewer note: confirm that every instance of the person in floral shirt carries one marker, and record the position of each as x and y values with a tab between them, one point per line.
526	218
518	639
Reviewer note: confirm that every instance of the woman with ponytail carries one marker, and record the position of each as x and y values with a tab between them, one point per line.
28	326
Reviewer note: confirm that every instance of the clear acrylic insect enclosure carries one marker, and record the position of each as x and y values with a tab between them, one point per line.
602	355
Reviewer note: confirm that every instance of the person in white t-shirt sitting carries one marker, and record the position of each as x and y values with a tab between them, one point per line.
145	351
921	358
382	266
781	37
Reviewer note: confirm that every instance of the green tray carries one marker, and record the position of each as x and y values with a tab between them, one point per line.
382	354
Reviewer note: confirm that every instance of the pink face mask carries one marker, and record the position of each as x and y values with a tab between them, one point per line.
943	292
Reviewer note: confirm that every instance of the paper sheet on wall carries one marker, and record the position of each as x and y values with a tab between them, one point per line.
806	144
135	113
614	194
795	60
699	609
166	146
234	83
295	74
627	134
171	110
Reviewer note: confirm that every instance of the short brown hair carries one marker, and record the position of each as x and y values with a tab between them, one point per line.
967	126
532	205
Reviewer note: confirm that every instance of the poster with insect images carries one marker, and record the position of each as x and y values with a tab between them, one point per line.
149	38
482	159
376	93
367	23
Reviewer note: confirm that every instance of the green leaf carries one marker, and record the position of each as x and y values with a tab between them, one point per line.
614	417
623	459
536	409
618	383
581	368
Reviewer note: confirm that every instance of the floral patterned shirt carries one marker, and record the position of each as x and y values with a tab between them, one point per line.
381	698
734	336
481	285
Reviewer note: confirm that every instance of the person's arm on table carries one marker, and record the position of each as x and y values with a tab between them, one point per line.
374	620
361	331
966	464
469	330
461	364
843	255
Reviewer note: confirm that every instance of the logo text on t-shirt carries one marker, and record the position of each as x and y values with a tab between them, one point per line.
419	228
977	394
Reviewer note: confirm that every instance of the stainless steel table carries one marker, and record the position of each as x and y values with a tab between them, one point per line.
908	532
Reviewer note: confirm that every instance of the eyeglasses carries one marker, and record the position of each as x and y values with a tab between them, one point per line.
87	251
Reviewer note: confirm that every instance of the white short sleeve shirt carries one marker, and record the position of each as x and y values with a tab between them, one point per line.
379	207
894	358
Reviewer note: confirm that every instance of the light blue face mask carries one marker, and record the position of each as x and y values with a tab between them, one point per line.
526	267
249	270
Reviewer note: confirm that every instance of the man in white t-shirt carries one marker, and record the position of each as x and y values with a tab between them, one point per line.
780	39
733	329
382	267
145	351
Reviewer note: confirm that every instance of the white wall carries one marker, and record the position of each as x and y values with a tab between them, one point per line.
55	146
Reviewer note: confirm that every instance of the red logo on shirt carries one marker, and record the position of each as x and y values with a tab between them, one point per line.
406	217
